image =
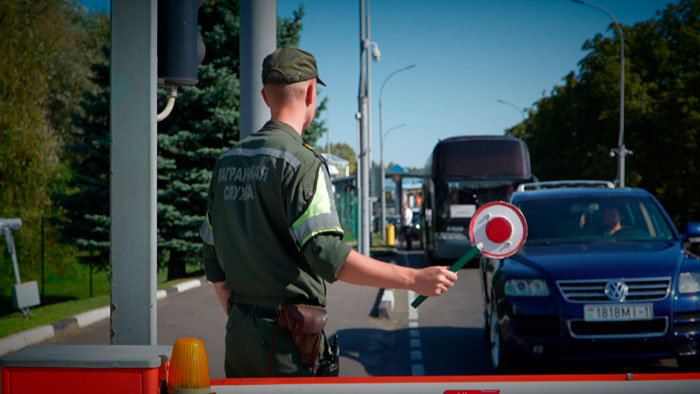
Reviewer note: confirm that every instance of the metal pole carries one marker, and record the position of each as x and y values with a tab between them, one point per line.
381	149
360	126
133	168
367	135
258	39
514	106
381	159
10	239
363	167
621	149
358	182
328	124
382	180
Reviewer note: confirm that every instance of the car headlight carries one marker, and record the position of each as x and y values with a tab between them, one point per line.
527	288
689	282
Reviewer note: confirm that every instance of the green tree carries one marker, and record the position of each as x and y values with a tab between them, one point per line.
345	151
203	125
318	126
571	132
86	221
45	58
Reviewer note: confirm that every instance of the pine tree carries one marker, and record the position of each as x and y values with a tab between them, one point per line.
86	221
203	125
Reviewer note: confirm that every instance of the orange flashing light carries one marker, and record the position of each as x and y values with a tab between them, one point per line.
189	368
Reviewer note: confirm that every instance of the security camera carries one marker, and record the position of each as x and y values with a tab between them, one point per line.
11	224
376	53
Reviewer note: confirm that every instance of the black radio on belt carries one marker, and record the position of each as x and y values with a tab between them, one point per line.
330	363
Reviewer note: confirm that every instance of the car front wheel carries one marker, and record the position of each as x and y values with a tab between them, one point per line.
501	357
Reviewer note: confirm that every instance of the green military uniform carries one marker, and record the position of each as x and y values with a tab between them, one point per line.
272	235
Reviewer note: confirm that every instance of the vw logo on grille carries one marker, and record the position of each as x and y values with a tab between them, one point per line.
616	290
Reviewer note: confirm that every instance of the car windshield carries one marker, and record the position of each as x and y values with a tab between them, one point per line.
594	219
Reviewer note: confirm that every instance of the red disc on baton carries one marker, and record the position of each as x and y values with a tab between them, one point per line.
499	228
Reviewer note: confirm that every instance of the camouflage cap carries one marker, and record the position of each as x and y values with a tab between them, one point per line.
294	64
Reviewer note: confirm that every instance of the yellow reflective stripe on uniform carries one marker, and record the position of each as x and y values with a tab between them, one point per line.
206	231
320	216
318	224
286	156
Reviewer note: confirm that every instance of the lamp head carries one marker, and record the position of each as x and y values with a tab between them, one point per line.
376	53
12	224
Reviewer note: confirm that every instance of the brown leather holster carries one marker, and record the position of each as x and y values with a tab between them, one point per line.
305	324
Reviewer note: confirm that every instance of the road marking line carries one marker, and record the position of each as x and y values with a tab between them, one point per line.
417	370
416	355
414	334
412	312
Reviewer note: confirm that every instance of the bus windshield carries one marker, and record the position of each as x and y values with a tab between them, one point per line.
483	158
464	173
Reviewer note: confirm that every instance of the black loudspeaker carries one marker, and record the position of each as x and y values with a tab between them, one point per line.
180	50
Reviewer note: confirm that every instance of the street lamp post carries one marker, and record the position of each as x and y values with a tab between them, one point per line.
383	185
381	148
621	150
514	106
363	116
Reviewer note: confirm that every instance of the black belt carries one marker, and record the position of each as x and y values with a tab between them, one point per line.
264	311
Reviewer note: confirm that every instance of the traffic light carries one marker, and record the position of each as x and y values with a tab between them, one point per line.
180	49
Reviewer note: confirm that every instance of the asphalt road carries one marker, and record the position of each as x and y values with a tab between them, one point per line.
370	346
444	336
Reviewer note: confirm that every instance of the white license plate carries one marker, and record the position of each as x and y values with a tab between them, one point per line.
462	211
618	312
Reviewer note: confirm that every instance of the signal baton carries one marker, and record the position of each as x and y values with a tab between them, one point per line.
497	230
471	253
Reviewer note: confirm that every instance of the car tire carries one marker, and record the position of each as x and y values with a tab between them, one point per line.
487	327
689	363
501	356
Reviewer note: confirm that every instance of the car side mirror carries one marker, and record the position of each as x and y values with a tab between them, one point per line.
691	237
692	232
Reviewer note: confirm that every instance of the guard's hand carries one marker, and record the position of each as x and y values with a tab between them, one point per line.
434	281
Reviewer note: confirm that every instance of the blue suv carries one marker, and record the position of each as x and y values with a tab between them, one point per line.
604	274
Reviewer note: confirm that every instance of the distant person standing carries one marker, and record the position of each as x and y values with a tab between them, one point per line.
272	238
406	223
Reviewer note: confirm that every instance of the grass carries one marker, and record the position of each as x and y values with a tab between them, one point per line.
68	295
65	296
378	248
47	314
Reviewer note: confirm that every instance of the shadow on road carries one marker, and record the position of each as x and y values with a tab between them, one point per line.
456	351
444	350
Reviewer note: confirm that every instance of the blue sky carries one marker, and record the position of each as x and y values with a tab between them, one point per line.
468	54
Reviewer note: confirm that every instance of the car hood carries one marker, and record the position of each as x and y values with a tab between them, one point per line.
584	261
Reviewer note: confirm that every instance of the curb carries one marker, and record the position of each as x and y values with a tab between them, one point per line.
386	304
14	342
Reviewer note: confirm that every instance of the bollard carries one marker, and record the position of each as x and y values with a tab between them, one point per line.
390	234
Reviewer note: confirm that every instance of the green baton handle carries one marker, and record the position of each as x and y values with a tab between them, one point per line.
476	249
